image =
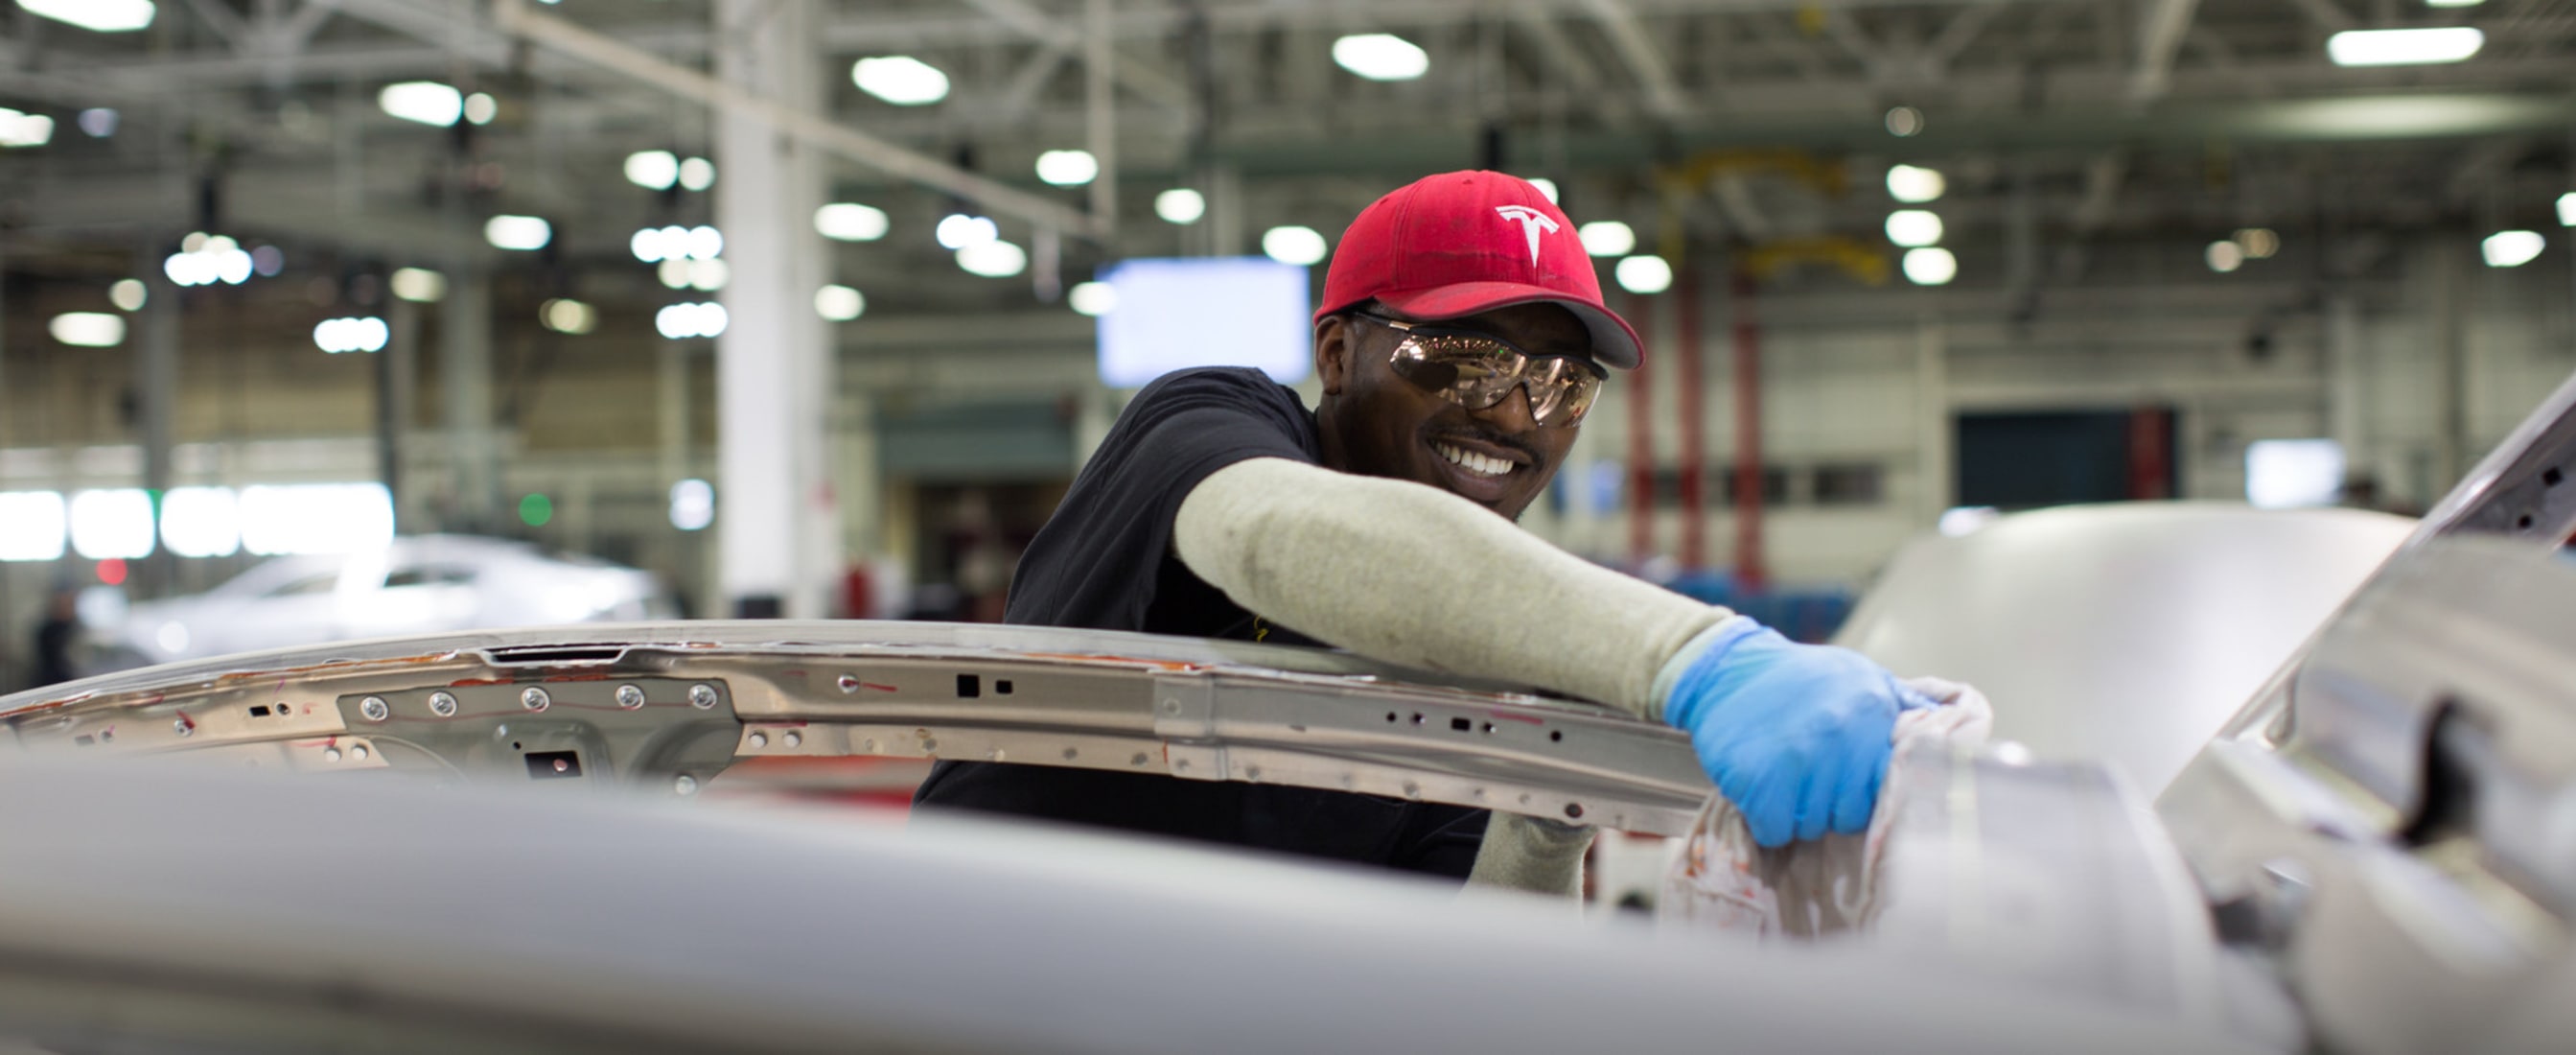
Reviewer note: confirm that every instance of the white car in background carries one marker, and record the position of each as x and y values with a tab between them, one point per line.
416	585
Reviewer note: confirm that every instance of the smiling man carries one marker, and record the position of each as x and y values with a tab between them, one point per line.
1461	342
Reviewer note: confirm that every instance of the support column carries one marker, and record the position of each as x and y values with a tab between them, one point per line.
2344	393
465	369
156	382
776	510
1932	429
395	373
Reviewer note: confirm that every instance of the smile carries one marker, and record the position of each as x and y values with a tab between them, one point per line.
1479	464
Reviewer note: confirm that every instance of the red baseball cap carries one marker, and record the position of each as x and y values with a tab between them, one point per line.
1460	243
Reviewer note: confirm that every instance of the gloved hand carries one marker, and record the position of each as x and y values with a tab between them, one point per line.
1796	736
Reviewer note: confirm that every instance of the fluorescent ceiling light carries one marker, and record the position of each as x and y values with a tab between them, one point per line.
2259	243
693	505
1293	244
697	174
128	294
900	79
652	169
1913	228
88	329
1914	186
1607	238
2567	209
2511	248
1930	266
481	108
24	129
1093	298
518	232
1546	187
958	230
419	284
98	121
674	273
1647	274
993	259
1068	168
2404	47
2288	474
31	525
427	102
1381	57
1180	205
850	222
838	303
709	275
200	522
335	336
2225	256
99	16
113	524
315	518
566	315
679	321
2453	3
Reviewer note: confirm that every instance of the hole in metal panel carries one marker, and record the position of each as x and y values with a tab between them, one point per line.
969	686
554	765
555	655
1460	725
2550	477
259	710
1555	735
1001	686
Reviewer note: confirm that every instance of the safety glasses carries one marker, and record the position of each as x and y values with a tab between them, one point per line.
1476	371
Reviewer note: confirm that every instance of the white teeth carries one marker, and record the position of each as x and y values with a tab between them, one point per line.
1479	464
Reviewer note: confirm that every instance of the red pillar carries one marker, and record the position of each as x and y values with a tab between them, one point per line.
1694	466
1641	439
1748	437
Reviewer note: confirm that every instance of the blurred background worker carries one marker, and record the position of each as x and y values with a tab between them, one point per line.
1461	340
54	638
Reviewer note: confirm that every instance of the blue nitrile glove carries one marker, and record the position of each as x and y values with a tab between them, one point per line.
1796	736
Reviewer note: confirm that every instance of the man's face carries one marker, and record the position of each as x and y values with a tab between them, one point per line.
1378	424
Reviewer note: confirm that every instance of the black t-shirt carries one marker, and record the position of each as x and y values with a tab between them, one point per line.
1105	561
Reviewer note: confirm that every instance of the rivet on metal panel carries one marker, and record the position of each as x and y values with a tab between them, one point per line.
1138	760
1171	706
358	751
1069	754
1412	790
535	698
849	683
793	738
685	784
630	697
330	754
1252	774
702	696
374	708
1180	764
1574	809
759	739
182	727
868	746
930	743
442	704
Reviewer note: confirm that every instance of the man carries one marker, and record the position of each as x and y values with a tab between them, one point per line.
1461	340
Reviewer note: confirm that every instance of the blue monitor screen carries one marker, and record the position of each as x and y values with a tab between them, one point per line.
1173	314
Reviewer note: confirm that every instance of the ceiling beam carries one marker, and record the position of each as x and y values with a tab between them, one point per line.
1654	75
2160	41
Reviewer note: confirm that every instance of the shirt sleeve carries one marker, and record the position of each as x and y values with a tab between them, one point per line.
1096	561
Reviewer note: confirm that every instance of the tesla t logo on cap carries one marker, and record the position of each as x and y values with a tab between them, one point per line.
1531	221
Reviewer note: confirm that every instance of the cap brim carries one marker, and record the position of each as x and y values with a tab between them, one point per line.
1613	342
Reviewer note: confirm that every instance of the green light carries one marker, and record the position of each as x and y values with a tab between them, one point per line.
536	509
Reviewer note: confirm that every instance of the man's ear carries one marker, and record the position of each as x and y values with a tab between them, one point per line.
1333	353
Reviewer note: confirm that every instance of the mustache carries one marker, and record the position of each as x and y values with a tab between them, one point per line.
1495	438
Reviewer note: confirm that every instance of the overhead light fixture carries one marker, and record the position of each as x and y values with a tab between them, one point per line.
1180	205
566	315
1913	185
1068	168
1913	228
674	273
1381	57
2453	3
335	336
31	525
128	294
2404	47
958	230
1546	187
88	329
427	102
1645	274
97	16
204	259
1904	122
1092	298
419	284
705	243
2259	243
900	79
697	174
2224	256
2567	209
98	121
653	169
850	222
114	524
1930	266
682	321
708	276
481	108
1607	238
2512	248
18	129
837	303
1293	244
279	519
522	233
993	259
201	522
693	505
